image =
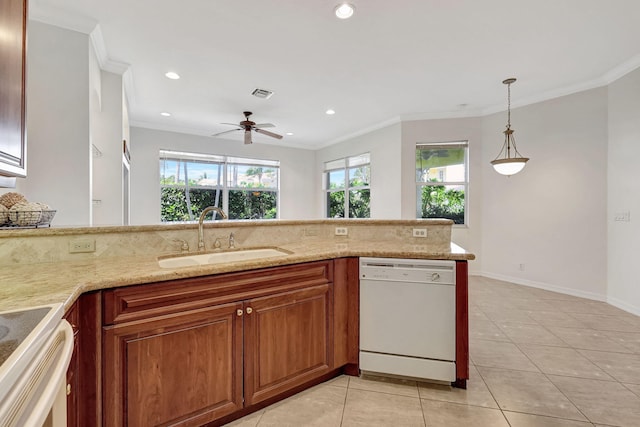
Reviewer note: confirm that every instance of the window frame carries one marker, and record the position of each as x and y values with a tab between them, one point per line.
224	163
465	183
345	164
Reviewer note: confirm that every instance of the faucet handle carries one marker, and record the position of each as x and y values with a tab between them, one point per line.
184	245
217	244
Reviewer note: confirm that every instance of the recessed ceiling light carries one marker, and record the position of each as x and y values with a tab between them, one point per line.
171	75
344	10
289	133
165	114
330	112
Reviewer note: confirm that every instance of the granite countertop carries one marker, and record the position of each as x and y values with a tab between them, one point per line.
28	285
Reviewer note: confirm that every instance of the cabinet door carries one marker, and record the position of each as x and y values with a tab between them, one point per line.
179	369
287	341
13	22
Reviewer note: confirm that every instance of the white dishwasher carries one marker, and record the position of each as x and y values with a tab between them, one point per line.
408	318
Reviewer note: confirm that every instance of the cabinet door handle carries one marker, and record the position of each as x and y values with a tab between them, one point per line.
239	312
68	389
249	310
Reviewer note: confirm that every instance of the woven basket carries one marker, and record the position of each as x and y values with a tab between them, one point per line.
29	218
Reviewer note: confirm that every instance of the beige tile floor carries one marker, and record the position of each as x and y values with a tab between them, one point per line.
538	359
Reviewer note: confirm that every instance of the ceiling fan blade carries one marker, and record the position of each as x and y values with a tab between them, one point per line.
226	131
266	132
264	125
247	137
232	124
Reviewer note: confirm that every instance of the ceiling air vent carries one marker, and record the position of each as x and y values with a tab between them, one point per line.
262	93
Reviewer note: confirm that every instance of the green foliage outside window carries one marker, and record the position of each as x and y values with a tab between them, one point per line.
249	204
174	207
359	202
439	202
357	190
189	185
441	180
335	202
243	204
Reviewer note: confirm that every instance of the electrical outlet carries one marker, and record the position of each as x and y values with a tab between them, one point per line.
341	231
79	246
420	232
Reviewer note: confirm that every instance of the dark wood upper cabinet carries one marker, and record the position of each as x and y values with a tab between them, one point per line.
13	61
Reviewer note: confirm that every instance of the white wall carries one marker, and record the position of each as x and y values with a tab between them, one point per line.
297	173
385	154
468	236
624	192
551	217
106	136
58	123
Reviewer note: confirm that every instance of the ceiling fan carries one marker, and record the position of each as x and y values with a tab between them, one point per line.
248	126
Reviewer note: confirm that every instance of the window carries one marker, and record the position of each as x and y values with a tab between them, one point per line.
347	187
441	181
244	188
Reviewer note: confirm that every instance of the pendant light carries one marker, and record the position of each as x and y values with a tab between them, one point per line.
509	161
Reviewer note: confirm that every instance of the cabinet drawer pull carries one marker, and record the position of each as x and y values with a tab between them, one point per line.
239	312
249	310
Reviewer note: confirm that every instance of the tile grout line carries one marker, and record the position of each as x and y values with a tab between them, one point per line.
540	371
424	416
344	405
556	387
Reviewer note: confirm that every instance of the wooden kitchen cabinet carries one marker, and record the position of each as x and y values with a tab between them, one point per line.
13	57
188	352
181	369
286	341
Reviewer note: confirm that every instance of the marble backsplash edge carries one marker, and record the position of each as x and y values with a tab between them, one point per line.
51	248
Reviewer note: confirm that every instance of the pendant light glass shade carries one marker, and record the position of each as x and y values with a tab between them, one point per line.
509	161
509	166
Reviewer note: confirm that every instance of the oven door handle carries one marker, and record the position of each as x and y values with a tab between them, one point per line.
40	395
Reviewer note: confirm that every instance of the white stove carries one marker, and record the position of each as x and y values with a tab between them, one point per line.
35	350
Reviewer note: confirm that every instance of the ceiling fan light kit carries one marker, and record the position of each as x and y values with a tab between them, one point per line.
508	163
248	126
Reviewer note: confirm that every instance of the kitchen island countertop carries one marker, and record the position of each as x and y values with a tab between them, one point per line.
28	285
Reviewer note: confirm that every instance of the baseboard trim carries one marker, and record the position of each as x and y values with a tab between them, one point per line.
546	286
623	306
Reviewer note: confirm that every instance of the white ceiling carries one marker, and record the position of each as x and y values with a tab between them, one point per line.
392	60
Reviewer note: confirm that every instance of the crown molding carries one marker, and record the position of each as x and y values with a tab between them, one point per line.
547	96
54	16
360	132
460	114
106	63
59	18
622	69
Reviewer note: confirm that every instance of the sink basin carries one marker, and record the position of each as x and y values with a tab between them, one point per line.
221	257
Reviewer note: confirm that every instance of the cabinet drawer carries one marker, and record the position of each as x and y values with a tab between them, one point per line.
144	301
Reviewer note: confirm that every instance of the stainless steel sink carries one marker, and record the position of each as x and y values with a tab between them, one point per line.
221	257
